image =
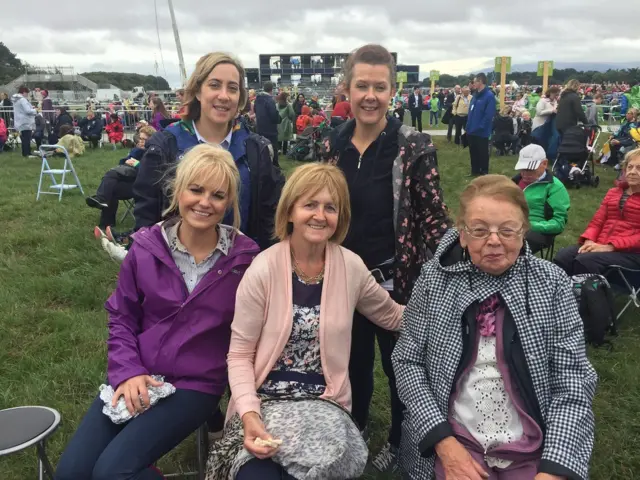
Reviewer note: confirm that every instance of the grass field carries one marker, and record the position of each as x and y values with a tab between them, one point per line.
54	279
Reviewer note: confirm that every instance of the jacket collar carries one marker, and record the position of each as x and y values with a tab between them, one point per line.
547	178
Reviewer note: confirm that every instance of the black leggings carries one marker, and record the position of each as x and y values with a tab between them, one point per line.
25	138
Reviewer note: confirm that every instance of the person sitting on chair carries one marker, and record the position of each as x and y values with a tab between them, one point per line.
91	128
612	237
546	196
117	183
170	316
505	130
622	138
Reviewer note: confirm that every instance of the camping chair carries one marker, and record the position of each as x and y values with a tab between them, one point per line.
546	253
626	281
202	448
46	151
24	427
128	203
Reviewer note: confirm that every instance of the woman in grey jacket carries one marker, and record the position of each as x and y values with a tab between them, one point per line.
23	118
491	364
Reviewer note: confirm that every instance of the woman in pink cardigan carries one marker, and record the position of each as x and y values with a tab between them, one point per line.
291	339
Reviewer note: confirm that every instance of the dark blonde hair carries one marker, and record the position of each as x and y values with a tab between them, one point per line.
309	180
493	186
204	67
370	54
631	155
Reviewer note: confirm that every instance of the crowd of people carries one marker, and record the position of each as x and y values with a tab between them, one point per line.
235	282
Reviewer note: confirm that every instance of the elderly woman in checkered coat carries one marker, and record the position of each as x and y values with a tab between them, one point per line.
491	364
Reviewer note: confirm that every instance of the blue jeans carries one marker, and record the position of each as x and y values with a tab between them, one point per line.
433	115
102	450
256	469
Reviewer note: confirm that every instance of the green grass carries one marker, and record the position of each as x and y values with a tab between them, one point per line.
54	279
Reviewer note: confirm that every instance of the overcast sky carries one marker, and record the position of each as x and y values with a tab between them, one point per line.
453	36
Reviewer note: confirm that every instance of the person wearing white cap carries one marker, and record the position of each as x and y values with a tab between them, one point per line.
547	197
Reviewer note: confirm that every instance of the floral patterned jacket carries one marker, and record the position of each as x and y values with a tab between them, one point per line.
421	216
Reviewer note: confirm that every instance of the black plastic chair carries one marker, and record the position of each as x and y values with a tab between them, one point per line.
547	252
25	427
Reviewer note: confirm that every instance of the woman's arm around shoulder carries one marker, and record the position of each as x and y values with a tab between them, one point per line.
374	302
246	329
570	423
124	307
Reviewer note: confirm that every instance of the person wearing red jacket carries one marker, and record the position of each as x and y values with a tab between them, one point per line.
115	130
613	235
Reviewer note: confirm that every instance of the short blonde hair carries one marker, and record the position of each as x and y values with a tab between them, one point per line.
573	85
506	110
309	180
204	164
148	130
493	186
630	155
204	67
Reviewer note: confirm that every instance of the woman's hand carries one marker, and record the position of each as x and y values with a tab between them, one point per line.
457	461
254	428
614	142
596	248
131	162
586	246
135	392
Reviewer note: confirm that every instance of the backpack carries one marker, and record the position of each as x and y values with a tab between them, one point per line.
596	307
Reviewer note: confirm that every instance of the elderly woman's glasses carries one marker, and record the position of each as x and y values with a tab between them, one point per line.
482	233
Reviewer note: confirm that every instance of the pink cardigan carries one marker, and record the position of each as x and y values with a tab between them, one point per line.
264	316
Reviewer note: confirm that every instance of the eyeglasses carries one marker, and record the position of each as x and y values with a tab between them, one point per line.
484	233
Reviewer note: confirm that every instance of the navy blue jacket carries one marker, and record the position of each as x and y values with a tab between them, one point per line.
267	116
261	182
91	128
481	112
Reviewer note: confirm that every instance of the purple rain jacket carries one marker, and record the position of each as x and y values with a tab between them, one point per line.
157	328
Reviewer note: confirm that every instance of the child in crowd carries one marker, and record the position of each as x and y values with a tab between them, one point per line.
398	112
317	118
592	110
524	129
70	141
434	115
115	130
304	119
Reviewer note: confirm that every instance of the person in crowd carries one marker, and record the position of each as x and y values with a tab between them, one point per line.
479	122
214	95
318	117
441	99
505	131
520	105
299	358
268	118
622	140
7	109
304	120
534	98
23	119
70	141
115	130
313	103
4	134
398	112
491	361
524	129
158	113
299	102
398	215
546	196
341	111
570	107
91	129
434	110
592	109
40	128
48	111
287	119
546	106
460	113
450	101
415	108
62	118
184	271
612	237
117	183
180	100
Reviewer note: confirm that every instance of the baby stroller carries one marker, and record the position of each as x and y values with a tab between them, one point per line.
307	145
575	165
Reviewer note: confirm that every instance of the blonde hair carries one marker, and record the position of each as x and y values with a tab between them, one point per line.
630	155
505	111
493	186
309	180
572	85
204	67
148	130
634	111
204	164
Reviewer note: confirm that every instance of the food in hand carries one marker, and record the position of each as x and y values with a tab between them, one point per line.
269	442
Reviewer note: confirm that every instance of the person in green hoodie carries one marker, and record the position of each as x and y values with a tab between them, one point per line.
434	104
547	197
285	127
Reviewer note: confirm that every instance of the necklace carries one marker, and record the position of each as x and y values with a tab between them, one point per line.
303	276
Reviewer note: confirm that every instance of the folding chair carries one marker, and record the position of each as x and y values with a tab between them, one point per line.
128	203
626	281
46	151
546	253
24	427
202	447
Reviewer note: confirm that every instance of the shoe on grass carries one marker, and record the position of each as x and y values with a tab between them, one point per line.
95	202
387	459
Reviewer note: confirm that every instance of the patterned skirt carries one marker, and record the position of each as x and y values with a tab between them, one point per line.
320	440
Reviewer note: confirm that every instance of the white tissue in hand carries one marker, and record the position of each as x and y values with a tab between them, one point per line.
119	413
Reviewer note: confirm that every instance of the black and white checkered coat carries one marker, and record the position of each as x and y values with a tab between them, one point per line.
429	350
